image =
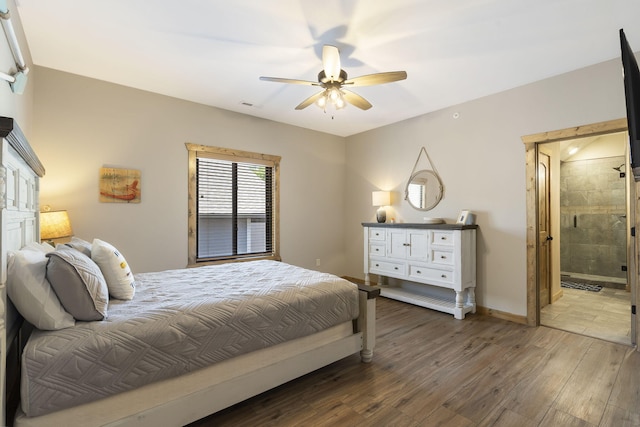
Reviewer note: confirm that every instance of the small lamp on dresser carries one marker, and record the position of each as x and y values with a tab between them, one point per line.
54	225
381	199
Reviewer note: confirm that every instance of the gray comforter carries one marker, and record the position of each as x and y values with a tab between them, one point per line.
180	321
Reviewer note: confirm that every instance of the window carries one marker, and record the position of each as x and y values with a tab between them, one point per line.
233	205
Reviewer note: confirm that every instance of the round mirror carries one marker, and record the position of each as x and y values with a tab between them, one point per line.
424	190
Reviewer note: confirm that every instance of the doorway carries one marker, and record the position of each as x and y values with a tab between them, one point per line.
591	296
534	237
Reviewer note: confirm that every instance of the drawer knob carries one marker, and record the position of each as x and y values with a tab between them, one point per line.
395	268
441	256
443	238
377	265
406	244
419	272
377	250
444	276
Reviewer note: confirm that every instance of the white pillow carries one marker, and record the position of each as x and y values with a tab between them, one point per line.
115	269
31	292
39	247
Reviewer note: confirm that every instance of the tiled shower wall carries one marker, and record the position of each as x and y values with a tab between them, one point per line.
592	218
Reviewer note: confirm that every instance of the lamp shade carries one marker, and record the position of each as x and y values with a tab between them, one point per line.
381	198
55	225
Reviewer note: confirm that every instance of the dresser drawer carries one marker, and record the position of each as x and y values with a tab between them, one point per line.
376	234
386	267
442	238
443	257
425	274
377	249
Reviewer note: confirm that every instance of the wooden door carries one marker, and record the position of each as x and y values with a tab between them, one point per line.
544	231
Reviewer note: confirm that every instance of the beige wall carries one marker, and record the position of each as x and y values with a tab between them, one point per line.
481	160
18	107
83	124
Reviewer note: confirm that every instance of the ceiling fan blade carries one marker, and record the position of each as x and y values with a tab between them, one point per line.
290	81
331	62
376	79
356	100
310	100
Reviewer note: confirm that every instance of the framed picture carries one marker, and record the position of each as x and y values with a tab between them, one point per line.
119	185
465	217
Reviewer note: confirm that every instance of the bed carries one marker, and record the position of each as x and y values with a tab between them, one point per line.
182	373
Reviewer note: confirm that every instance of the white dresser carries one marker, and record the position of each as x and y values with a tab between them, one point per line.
440	256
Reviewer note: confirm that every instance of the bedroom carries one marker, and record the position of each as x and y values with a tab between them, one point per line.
326	179
67	116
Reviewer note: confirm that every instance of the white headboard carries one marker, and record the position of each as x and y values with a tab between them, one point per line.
20	172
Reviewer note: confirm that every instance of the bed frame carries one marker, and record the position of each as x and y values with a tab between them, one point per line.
20	172
176	401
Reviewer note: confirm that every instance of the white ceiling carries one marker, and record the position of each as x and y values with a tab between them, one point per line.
213	52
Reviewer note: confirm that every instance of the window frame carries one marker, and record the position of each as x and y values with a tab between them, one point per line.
239	156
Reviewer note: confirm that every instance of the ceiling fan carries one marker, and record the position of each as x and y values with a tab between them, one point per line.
333	80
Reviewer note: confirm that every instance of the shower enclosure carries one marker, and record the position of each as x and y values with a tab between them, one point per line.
593	221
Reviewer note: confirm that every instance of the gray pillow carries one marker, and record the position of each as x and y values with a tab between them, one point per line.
80	245
79	283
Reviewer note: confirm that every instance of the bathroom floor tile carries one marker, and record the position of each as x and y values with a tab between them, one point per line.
605	314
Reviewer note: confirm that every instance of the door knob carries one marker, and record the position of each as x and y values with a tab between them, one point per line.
549	238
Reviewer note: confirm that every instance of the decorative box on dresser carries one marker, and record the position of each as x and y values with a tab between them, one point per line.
424	257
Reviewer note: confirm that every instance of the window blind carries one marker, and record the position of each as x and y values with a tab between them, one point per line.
235	209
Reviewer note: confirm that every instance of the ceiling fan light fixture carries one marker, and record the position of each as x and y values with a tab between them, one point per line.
322	101
334	95
331	97
332	79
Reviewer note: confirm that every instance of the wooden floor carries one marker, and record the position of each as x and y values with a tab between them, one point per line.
432	370
605	314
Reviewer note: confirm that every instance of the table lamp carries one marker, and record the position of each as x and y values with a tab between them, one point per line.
381	199
54	225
